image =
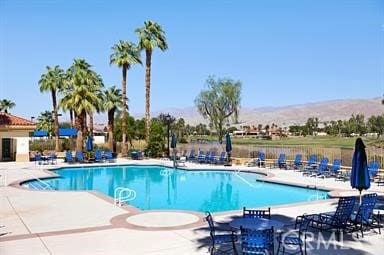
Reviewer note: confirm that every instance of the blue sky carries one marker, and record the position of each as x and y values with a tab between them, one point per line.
283	52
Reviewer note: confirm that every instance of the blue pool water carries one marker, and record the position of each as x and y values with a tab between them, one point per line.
165	188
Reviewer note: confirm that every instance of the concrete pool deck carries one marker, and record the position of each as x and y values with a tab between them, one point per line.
77	222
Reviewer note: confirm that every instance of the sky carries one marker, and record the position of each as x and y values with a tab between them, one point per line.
283	52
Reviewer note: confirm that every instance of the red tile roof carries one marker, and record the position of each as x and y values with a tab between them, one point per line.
10	120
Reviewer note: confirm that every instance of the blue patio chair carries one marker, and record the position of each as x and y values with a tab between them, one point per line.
98	156
311	163
191	156
335	168
79	156
222	159
281	161
258	241
260	213
38	159
297	162
68	157
337	220
52	158
320	171
212	158
201	156
363	219
108	156
261	160
217	240
294	238
373	168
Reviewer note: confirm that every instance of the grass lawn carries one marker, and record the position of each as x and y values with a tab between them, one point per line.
324	141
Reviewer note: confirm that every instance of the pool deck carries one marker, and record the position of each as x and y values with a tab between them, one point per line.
77	222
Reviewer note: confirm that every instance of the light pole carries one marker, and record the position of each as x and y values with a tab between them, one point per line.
168	120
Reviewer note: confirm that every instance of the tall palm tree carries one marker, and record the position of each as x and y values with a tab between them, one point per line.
44	121
112	102
124	55
53	81
84	97
6	104
151	36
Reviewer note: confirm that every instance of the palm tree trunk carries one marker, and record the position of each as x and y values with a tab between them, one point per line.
148	54
56	120
91	124
71	118
124	113
111	116
79	127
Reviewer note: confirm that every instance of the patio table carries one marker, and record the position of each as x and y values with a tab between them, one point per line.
255	223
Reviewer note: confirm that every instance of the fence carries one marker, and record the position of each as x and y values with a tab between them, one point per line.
272	152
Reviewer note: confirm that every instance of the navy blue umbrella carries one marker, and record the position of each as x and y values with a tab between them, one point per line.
173	141
228	147
89	144
359	175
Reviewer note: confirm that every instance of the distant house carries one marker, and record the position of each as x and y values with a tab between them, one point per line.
14	137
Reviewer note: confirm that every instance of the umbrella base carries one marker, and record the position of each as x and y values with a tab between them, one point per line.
227	164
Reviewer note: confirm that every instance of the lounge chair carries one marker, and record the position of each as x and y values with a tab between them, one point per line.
212	158
332	220
79	156
373	168
281	161
259	161
108	156
257	241
228	236
364	218
191	156
98	156
320	171
222	159
297	163
311	163
68	157
335	168
250	213
38	159
201	157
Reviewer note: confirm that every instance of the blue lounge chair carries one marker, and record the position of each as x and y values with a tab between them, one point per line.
201	156
363	219
373	168
321	169
334	169
337	220
68	157
98	156
108	156
79	156
281	161
220	239
250	213
311	163
257	241
212	158
191	156
222	158
261	159
38	159
297	162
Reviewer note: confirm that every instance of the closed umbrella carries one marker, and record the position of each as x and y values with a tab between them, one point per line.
173	146
89	144
228	148
359	175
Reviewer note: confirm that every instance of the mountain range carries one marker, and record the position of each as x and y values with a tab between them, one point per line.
289	115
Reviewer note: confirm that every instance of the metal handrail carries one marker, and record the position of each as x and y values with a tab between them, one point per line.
122	195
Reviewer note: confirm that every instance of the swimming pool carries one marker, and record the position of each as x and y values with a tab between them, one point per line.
162	188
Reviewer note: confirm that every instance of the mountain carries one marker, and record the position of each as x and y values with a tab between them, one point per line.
289	115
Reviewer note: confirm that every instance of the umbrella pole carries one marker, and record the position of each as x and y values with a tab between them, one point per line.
360	197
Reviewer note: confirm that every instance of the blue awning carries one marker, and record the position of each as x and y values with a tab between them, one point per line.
67	131
40	133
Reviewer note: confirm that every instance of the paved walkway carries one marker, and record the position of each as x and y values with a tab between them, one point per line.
74	222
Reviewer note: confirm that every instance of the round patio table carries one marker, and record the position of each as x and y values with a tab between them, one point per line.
255	223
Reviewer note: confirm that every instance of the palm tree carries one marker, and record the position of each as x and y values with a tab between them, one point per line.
6	104
84	97
53	81
112	102
151	36
44	121
124	55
